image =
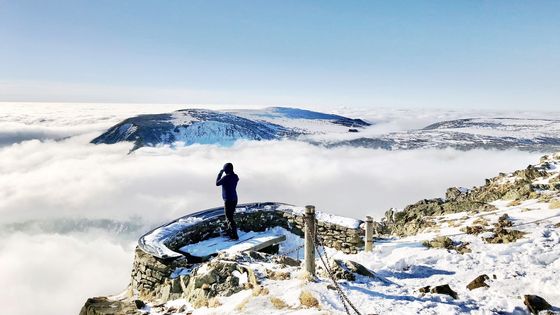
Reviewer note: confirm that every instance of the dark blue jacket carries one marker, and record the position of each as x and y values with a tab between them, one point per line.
229	184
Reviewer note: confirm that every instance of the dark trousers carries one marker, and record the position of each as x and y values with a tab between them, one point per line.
229	210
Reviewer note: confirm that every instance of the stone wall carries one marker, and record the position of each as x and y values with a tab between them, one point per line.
346	239
149	274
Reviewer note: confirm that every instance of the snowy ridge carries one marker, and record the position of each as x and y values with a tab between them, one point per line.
203	126
464	134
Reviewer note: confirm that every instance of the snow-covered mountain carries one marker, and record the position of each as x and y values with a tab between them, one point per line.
465	134
205	126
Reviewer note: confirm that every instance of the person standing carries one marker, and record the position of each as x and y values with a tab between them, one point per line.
229	194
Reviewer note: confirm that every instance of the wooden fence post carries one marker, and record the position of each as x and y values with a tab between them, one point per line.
310	239
369	234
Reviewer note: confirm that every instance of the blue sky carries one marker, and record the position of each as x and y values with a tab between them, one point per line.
449	54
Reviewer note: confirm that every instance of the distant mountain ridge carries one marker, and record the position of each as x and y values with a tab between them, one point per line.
499	133
205	126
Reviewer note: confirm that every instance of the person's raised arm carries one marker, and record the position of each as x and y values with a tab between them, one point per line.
219	179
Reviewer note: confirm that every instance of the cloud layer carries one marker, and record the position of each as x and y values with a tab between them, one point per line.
71	178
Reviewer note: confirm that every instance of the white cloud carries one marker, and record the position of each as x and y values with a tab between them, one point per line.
55	274
74	179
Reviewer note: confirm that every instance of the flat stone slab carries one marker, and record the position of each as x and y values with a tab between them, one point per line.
249	241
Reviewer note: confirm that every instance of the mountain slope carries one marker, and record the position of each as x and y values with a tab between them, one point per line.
190	126
204	126
465	134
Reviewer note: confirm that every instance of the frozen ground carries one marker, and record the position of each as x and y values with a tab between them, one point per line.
529	266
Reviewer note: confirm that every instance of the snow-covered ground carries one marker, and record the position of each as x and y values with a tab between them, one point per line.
529	266
246	241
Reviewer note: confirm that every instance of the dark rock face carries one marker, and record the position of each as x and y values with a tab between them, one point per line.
445	242
440	289
478	282
474	229
504	236
105	306
424	290
504	221
440	242
444	289
287	261
347	270
535	303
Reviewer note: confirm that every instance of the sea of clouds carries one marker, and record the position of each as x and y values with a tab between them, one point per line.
71	211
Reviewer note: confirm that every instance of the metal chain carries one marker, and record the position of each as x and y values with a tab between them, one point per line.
341	293
291	251
337	287
346	303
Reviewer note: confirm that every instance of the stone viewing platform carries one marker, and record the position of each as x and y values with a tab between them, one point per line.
166	241
161	263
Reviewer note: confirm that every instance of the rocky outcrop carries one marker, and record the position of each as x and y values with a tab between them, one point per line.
347	270
106	306
216	278
444	242
444	289
535	303
153	279
504	236
307	299
161	281
416	217
440	289
478	282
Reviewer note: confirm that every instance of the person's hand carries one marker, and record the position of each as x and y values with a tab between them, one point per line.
221	172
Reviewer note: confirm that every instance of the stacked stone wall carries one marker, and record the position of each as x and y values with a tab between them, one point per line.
346	239
150	273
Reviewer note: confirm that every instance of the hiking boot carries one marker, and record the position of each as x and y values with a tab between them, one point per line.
233	235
